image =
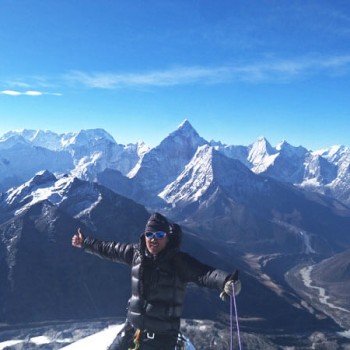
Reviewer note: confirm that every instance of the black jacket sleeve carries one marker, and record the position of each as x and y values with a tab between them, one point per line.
192	270
114	251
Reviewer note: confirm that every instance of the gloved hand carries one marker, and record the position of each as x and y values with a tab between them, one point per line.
232	285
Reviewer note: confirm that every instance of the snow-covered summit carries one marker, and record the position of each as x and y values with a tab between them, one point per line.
261	155
7	142
291	151
53	141
184	135
89	137
163	163
43	186
41	138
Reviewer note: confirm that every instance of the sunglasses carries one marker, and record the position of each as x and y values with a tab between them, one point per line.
157	235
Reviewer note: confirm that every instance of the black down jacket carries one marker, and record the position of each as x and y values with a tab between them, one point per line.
157	282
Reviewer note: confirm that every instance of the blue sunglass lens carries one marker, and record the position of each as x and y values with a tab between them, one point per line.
158	234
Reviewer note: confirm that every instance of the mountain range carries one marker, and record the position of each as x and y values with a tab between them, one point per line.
87	153
269	211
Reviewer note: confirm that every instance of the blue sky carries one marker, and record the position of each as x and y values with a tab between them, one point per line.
236	70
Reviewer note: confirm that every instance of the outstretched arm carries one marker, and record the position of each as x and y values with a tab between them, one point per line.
204	275
114	251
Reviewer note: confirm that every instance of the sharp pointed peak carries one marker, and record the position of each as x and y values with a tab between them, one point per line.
184	122
185	125
262	143
261	139
187	131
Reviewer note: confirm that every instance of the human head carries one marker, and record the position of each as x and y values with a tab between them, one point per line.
157	222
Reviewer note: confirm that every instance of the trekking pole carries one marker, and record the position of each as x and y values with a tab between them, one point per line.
233	302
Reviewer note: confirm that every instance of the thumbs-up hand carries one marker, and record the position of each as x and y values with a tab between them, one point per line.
78	239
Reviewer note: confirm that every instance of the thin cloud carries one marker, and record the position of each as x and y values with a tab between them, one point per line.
28	93
269	70
273	71
171	77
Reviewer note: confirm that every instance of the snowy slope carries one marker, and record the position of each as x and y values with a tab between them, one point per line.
98	341
101	340
45	186
208	167
193	181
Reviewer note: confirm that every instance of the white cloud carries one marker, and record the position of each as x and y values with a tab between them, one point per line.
10	92
174	76
33	93
27	93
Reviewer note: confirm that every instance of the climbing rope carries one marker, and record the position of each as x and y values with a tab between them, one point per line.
233	304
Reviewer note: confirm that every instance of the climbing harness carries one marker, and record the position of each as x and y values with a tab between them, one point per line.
233	303
180	344
136	340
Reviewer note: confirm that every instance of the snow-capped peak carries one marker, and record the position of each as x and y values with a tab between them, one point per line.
45	186
25	133
262	145
88	137
42	177
286	148
163	163
193	181
30	192
261	155
7	142
185	129
335	153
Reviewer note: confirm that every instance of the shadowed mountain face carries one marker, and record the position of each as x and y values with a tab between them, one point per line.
333	275
335	269
43	276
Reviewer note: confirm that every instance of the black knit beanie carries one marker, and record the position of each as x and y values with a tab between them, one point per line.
157	222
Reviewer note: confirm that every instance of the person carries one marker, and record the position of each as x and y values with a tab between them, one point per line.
159	274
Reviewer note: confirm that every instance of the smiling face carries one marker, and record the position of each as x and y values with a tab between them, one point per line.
155	246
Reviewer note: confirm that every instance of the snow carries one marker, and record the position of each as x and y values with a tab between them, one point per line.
101	340
193	181
262	155
39	340
345	334
86	153
5	344
97	341
54	192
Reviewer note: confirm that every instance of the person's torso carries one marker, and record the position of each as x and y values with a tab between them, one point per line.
157	293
